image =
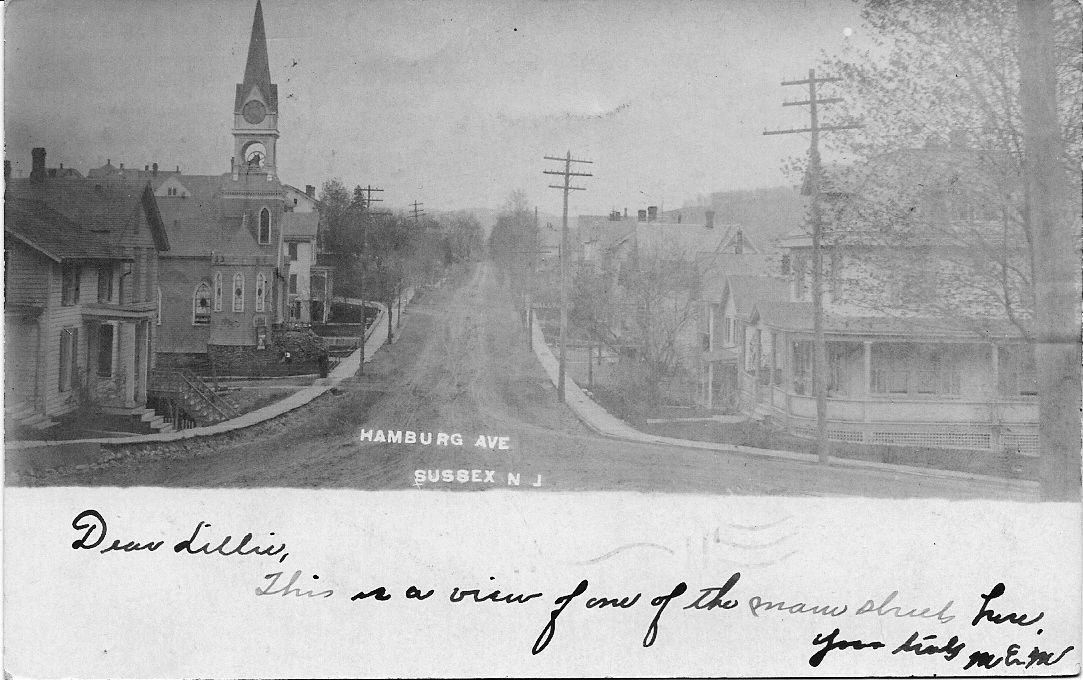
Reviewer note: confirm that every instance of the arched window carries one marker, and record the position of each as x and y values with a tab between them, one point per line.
265	226
218	291
238	292
201	305
261	291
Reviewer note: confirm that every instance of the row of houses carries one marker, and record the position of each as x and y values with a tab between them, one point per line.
121	272
926	344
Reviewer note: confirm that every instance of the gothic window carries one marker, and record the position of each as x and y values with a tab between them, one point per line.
238	292
201	305
261	291
264	226
218	292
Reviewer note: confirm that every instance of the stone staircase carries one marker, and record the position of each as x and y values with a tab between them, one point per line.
155	422
189	398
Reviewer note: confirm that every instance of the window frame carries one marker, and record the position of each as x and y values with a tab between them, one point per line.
112	342
68	359
237	291
261	292
105	275
70	275
196	318
263	228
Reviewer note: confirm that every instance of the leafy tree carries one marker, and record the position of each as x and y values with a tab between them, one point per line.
1004	78
942	145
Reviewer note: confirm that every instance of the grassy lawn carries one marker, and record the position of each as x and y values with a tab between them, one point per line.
252	398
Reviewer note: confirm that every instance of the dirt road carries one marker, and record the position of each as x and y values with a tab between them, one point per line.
461	366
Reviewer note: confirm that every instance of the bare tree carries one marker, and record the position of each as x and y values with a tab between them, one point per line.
645	307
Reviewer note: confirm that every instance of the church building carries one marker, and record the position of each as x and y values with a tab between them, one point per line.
225	281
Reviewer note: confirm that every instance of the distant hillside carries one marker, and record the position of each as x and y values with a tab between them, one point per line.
767	214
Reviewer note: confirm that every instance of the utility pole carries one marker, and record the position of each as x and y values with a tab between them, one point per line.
566	187
416	210
819	349
1056	281
365	214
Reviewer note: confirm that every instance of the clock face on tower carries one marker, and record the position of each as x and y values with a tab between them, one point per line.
254	112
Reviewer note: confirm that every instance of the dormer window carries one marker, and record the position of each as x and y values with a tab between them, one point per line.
265	226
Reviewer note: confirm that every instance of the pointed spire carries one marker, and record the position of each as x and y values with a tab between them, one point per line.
257	71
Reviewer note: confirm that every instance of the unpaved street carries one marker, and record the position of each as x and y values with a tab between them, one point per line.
461	366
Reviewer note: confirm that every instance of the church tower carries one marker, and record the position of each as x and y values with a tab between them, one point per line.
255	110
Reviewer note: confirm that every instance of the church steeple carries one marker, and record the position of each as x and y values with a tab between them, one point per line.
255	110
257	70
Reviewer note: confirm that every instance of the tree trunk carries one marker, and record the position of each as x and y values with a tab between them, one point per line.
1056	279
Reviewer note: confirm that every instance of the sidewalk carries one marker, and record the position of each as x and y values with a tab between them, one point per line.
604	423
375	338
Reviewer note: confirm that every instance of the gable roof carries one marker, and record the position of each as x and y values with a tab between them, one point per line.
52	234
748	291
79	209
197	224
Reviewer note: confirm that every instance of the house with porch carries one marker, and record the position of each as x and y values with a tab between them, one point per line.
82	303
920	351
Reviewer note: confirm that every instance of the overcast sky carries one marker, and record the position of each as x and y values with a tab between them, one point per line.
450	103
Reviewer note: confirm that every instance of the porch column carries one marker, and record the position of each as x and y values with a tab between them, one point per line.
774	365
757	359
126	350
710	384
868	367
995	429
142	340
865	435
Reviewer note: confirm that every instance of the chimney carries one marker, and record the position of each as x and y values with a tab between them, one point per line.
178	169
121	166
738	242
310	191
146	168
652	213
37	169
710	219
642	216
626	213
154	169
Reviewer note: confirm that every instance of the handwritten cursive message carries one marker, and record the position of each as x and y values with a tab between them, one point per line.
731	598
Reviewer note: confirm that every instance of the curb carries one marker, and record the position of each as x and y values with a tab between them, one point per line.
575	397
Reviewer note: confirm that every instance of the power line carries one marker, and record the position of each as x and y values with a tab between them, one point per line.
567	174
819	351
